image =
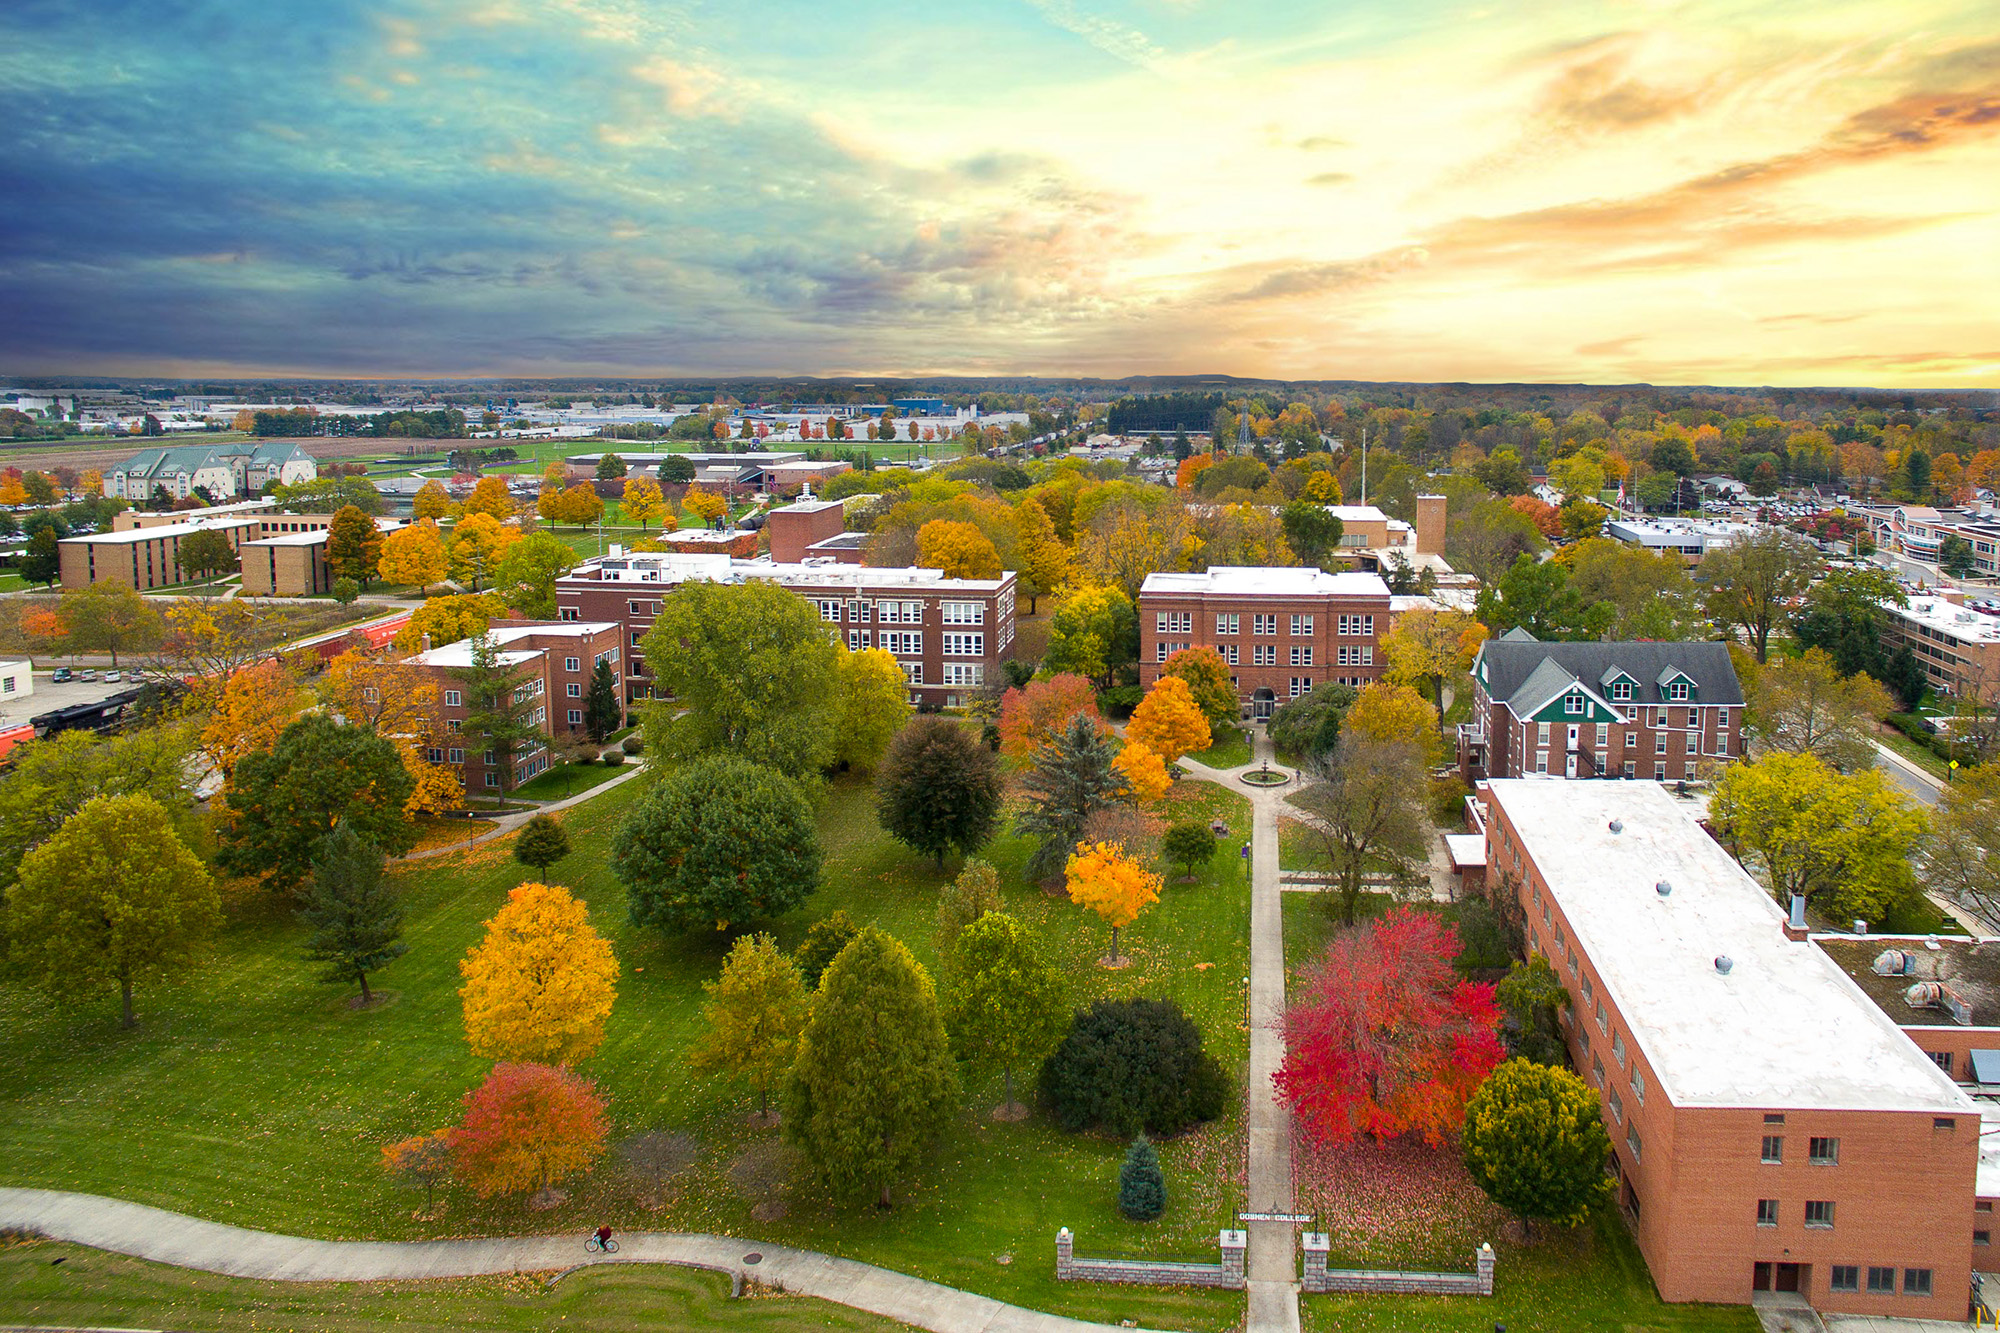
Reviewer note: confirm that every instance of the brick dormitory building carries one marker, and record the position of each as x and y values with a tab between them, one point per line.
282	555
950	635
1772	1129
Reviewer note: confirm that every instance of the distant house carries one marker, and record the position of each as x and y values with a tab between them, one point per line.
225	471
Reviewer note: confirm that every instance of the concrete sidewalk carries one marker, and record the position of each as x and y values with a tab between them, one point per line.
186	1242
505	824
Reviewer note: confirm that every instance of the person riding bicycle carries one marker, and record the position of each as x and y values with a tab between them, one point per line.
604	1238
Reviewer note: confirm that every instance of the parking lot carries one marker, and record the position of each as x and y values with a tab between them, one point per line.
49	696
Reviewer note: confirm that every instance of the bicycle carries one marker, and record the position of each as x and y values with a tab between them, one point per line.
601	1247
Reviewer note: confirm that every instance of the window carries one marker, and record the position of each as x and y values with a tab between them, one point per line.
964	673
1844	1277
1659	742
433	755
451	725
1603	734
1942	1059
1631	740
452	698
914	672
1264	624
1301	685
1301	625
1160	650
1302	656
1694	743
576	717
1572	703
1621	691
1597	1070
1541	733
1983	1206
829	610
857	639
492	779
1265	654
1659	772
1916	1281
1174	622
572	664
1660	718
1229	654
1600	1019
1823	1152
1774	1148
1677	691
1589	992
1618	1048
455	756
1230	624
1819	1212
974	613
1582	1033
965	645
1638	1085
1982	1238
1767	1212
1694	717
859	612
573	690
1629	766
1617	1106
1882	1281
1632	1140
1541	761
1774	1117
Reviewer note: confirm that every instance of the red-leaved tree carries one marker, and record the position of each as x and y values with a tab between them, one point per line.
527	1127
1385	1038
1030	716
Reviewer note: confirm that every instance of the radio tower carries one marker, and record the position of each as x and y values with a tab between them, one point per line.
1243	429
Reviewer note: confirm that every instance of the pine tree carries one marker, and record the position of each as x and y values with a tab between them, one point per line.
874	1079
356	919
541	844
1073	778
496	717
1142	1186
602	709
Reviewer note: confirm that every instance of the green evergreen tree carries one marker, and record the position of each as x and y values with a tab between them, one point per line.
1072	779
1005	1006
43	562
356	918
937	789
602	709
497	712
822	944
1533	996
1534	1141
1142	1186
542	842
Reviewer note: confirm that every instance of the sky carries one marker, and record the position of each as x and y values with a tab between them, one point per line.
1673	191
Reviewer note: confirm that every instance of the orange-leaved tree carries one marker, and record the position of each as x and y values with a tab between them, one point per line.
961	550
1144	771
401	703
1208	680
1168	721
422	1162
1103	878
257	702
1032	714
1190	468
414	554
528	1126
540	985
490	497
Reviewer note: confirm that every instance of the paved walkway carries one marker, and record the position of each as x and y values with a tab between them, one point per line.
1273	1261
505	824
188	1242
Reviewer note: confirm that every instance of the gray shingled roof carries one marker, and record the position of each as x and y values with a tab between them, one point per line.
1512	663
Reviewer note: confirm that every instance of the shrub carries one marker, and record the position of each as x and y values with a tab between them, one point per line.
822	944
1133	1064
1142	1186
1120	700
634	744
613	758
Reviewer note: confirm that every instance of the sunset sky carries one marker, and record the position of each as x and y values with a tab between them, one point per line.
1702	192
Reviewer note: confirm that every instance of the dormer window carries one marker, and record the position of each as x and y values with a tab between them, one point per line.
1678	691
1621	692
1573	703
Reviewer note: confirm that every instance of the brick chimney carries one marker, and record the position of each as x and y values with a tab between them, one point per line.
1430	525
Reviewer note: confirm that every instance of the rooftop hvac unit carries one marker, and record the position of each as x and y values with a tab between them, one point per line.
1892	963
1937	995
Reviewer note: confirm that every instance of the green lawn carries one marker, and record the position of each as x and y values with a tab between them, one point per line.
1229	747
563	781
253	1093
95	1289
1922	756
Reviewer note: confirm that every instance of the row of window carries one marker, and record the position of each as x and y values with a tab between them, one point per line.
1819	1213
1881	1279
1182	622
955	673
834	610
1661	719
1819	1151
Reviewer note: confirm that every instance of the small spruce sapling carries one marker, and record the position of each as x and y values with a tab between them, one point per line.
1142	1186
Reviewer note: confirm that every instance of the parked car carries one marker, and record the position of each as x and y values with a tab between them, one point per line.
114	677
88	673
59	675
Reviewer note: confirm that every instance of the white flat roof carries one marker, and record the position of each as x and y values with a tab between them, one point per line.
292	539
672	567
164	530
1959	622
460	654
1784	1027
1267	581
1357	513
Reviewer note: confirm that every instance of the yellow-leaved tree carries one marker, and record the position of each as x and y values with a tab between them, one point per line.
961	550
1144	771
258	702
1168	721
414	554
644	503
431	501
448	619
540	985
490	497
478	541
1428	647
1396	715
704	505
1103	878
401	703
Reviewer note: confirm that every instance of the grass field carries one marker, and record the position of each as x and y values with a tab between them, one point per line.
563	781
255	1094
1229	747
69	1286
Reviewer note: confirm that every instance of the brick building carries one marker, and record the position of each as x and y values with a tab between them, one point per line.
1958	648
1600	710
951	635
1772	1131
1281	630
554	659
142	558
282	555
796	527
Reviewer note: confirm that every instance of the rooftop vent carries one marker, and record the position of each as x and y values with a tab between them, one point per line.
1617	826
1663	888
1723	963
1891	963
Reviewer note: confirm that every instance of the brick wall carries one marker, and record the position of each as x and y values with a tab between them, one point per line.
1390	1282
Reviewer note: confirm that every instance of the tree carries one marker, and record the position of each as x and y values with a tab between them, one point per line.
938	789
1032	715
1967	826
643	503
1536	596
603	710
321	773
706	506
1801	705
1005	1005
497	711
1102	877
753	671
1043	559
1207	678
578	504
541	843
823	942
755	1012
528	1127
1955	557
719	839
525	577
1310	724
1581	518
1365	811
1094	632
1144	771
610	467
677	470
1385	1038
114	895
109	618
961	550
356	919
477	543
1072	779
257	704
1534	998
1312	530
490	497
1749	581
422	1162
205	553
1847	614
1396	715
1191	845
43	562
1844	841
1429	646
1168	721
874	705
431	502
874	1080
540	984
48	781
1650	594
1142	1186
1534	1140
1133	1064
353	546
972	895
414	555
444	620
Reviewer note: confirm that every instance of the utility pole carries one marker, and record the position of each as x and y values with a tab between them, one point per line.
1364	465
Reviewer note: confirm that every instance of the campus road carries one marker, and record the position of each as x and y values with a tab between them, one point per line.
1921	786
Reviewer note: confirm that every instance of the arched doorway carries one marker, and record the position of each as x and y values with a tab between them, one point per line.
1261	703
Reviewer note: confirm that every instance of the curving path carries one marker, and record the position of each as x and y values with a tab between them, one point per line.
188	1242
500	826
